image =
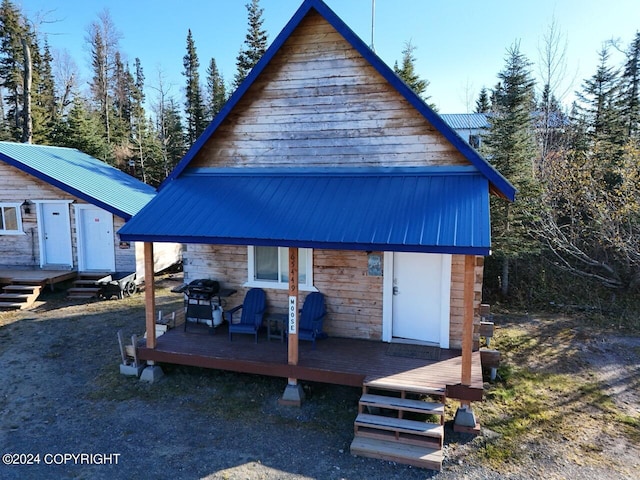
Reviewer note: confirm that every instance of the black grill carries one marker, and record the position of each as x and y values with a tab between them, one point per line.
202	289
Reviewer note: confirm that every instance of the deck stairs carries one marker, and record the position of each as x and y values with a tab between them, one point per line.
19	295
403	424
86	286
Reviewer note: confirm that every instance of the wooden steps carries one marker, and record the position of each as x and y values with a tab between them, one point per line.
19	296
400	425
422	457
85	286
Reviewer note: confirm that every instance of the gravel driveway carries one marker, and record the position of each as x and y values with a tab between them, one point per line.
67	411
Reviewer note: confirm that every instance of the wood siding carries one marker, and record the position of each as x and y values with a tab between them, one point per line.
457	299
24	250
319	103
16	186
354	299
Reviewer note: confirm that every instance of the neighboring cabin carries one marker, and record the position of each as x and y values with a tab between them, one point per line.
470	126
61	210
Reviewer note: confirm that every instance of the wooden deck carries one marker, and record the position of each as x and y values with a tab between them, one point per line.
335	360
35	276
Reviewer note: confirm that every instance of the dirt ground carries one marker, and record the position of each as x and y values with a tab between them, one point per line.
67	411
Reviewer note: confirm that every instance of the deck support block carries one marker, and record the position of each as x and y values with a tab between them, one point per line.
132	369
152	374
293	395
465	421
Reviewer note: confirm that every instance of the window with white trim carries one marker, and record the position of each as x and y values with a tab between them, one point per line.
268	267
10	219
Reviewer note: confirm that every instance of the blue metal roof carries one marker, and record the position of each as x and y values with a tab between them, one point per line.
468	121
418	209
499	184
482	121
80	175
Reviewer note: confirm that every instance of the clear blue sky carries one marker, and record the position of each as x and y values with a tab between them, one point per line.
461	44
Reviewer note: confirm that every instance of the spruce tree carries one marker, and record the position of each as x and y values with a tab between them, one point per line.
194	105
630	91
216	91
483	105
83	129
122	86
599	109
171	135
510	146
407	72
12	32
255	43
141	131
44	105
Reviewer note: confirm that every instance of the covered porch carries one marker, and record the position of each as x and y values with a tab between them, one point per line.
341	361
262	207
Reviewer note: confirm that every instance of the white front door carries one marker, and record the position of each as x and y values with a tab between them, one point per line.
421	297
55	234
95	239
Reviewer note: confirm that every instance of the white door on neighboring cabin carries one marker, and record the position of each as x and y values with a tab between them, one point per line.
421	297
95	239
55	234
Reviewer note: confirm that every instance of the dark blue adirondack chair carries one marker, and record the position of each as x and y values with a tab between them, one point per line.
253	309
312	317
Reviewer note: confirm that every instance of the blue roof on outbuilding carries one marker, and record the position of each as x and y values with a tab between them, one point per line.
417	209
468	121
80	175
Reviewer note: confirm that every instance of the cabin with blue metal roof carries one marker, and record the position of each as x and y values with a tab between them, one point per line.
60	211
325	172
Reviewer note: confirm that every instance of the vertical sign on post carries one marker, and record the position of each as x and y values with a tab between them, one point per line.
292	310
293	327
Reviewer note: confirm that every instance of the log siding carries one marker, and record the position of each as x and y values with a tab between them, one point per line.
24	250
319	103
353	299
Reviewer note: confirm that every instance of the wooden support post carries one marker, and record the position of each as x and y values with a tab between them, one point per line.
149	295
467	325
465	420
293	393
292	311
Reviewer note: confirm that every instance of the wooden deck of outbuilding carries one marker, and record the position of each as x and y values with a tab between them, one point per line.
339	361
35	276
20	287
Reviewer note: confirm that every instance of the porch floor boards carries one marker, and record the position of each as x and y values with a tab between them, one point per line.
35	276
341	361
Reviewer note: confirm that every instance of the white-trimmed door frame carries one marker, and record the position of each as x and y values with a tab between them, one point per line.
80	243
41	232
444	298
